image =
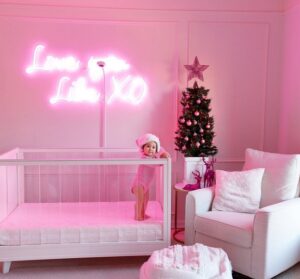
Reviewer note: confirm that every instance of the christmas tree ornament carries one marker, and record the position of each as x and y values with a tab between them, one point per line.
194	135
196	70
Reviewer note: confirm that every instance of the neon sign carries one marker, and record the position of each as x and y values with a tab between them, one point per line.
51	63
74	93
112	65
75	87
131	86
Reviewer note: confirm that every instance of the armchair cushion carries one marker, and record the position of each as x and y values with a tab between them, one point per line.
238	191
280	178
232	227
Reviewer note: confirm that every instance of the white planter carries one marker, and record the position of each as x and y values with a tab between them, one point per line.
191	164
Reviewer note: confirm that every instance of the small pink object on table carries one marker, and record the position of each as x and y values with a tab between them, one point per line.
195	186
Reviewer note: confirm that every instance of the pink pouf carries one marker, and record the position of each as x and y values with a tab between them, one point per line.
189	262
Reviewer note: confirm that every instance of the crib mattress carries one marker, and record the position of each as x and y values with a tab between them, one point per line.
90	222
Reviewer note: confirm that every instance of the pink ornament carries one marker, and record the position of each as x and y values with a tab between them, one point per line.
202	141
184	147
186	139
201	130
198	101
182	120
197	144
207	126
196	113
195	122
189	123
195	134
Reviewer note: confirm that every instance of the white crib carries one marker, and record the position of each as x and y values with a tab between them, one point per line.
75	203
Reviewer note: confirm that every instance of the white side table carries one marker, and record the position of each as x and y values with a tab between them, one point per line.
178	187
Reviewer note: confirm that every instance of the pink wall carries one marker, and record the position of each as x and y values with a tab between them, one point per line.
204	5
240	47
290	101
290	4
31	121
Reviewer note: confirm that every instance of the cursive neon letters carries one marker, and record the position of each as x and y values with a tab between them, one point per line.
77	88
128	90
112	65
51	63
78	92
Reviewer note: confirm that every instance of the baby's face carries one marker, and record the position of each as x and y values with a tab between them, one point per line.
149	148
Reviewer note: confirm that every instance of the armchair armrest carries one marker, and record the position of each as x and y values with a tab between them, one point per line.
197	202
276	238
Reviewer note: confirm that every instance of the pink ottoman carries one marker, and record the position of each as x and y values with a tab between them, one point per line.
189	262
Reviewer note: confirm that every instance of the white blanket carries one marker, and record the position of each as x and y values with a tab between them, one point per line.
190	262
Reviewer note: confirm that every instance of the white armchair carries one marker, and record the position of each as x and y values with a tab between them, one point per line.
259	245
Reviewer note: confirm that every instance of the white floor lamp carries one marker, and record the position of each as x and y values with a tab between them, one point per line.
102	106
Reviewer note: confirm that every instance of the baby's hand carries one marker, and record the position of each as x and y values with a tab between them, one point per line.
164	155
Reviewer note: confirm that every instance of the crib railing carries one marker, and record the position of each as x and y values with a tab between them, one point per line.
78	175
9	191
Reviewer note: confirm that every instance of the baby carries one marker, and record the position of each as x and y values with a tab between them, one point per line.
149	146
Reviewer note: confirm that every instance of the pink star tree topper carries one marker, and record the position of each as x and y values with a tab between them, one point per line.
196	70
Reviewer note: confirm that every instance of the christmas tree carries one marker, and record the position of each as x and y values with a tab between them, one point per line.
195	133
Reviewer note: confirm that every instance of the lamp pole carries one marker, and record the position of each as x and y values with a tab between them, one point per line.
102	106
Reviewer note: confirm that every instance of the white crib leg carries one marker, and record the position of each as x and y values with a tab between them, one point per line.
6	267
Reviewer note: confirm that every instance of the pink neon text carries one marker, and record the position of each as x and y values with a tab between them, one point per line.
51	63
78	87
75	92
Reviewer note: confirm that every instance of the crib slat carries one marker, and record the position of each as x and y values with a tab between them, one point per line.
6	267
